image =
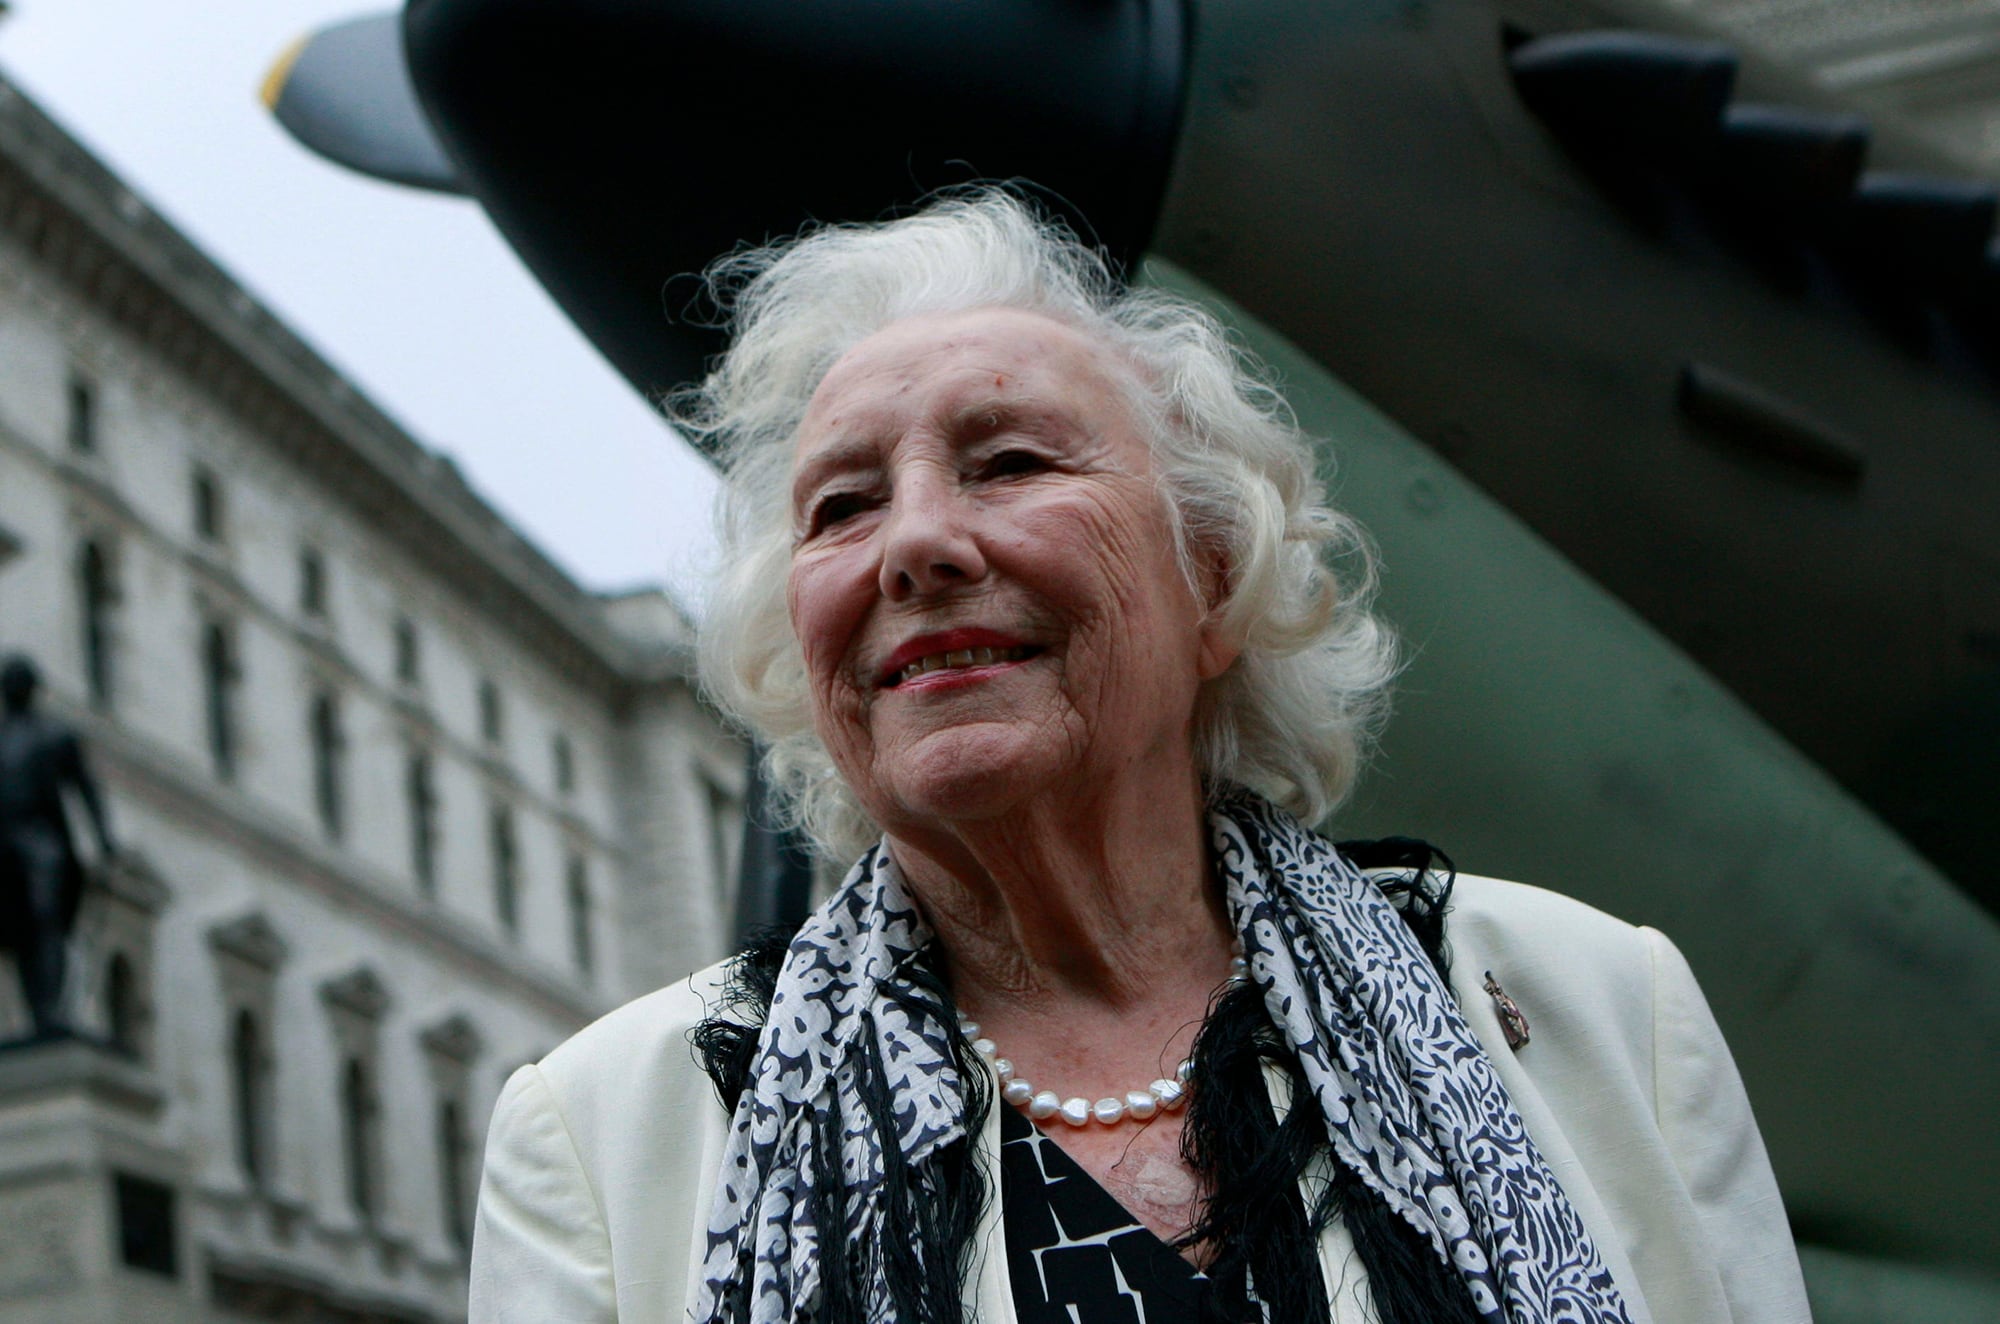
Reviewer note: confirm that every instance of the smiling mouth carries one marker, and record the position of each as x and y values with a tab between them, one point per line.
960	659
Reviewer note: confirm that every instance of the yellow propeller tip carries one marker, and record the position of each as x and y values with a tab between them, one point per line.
281	69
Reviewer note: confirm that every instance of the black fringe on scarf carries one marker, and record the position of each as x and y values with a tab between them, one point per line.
1244	1153
1231	1138
934	1212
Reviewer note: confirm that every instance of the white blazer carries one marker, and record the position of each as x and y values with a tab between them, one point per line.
601	1159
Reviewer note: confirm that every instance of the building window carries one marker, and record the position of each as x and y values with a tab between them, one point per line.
82	422
580	949
312	583
219	679
491	723
565	764
408	660
208	514
249	954
247	1070
122	1007
422	797
360	1115
146	1223
356	1003
329	748
451	1047
454	1162
506	878
98	597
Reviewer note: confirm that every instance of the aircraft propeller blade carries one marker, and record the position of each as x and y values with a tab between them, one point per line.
344	91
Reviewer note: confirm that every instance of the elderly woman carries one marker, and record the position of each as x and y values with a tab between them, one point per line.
1033	596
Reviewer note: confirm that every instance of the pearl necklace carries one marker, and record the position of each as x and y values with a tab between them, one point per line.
1166	1094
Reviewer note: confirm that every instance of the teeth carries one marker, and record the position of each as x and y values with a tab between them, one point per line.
960	657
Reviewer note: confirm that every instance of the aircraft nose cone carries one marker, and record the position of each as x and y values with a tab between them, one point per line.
619	145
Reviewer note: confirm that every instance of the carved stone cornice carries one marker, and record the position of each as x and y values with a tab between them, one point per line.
410	701
77	1068
455	1039
218	591
250	939
360	991
316	638
131	878
94	499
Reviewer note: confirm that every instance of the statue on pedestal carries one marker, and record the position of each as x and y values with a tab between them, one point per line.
41	875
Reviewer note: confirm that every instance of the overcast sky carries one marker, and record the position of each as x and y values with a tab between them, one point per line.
413	296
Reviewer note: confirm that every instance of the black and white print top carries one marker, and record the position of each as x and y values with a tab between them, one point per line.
1077	1256
1412	1105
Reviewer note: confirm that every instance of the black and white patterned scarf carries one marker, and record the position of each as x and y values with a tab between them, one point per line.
1411	1102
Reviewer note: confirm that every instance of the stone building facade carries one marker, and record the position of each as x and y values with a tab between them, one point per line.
399	805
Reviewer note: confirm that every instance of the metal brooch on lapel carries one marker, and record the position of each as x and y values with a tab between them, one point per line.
1512	1023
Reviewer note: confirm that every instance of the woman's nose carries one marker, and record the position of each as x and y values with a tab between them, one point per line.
927	542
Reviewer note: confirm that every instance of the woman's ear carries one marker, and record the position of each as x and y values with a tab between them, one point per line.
1219	646
1221	636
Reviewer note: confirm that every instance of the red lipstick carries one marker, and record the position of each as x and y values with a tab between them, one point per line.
943	641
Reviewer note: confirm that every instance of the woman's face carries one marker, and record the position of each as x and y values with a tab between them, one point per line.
983	575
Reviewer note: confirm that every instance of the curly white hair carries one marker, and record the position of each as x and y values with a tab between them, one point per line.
1292	718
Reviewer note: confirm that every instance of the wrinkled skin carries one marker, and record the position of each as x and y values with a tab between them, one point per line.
976	484
982	470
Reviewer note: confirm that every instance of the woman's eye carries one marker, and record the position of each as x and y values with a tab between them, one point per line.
838	508
1008	464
